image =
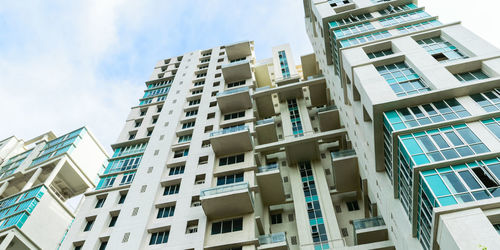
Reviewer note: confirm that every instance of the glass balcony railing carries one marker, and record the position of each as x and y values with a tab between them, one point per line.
269	167
327	108
272	238
343	153
265	121
314	77
229	130
233	91
224	189
367	223
236	62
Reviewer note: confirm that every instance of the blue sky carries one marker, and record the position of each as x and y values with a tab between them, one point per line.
64	64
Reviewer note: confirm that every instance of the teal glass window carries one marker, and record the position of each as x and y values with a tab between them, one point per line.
285	71
164	212
127	178
185	138
230	179
440	49
123	164
106	182
402	79
129	150
471	76
404	18
159	238
379	53
293	108
395	9
489	101
364	39
353	30
419	26
350	19
493	125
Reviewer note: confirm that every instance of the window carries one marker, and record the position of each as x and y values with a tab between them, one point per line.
172	189
138	123
229	179
213	104
234	115
88	226
159	238
404	18
395	9
143	112
103	245
227	226
201	75
159	108
352	205
195	92
100	202
191	113
209	128
127	178
380	53
489	101
106	182
419	26
194	102
336	3
493	125
181	153
293	108
235	84
210	116
188	125
131	136
122	198
364	38
176	170
78	247
123	164
154	120
353	30
185	138
200	82
276	219
471	76
442	144
351	19
164	212
440	49
231	159
113	221
205	144
497	228
402	79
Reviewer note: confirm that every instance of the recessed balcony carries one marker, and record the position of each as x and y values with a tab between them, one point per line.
275	241
237	70
328	118
271	184
369	230
266	131
234	100
231	140
238	50
227	200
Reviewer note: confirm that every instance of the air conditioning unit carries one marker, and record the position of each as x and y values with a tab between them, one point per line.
200	182
192	229
196	204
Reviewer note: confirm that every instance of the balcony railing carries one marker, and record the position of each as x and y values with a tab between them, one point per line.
262	88
368	222
343	153
233	91
229	130
269	167
272	238
327	108
224	189
265	121
236	62
314	77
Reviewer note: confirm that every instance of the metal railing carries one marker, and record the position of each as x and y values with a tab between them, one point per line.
265	121
367	223
343	153
262	88
233	91
224	189
269	167
314	77
229	130
272	238
327	108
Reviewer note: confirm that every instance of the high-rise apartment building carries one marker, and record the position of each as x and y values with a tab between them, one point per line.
386	137
420	101
38	179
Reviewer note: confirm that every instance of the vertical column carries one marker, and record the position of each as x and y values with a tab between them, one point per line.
55	171
32	180
4	187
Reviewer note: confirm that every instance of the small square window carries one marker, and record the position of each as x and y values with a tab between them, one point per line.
352	205
211	116
213	104
209	128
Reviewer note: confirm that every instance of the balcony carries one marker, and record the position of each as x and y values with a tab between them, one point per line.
369	230
266	131
231	140
237	70
234	100
227	200
238	50
275	241
328	118
345	168
271	184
